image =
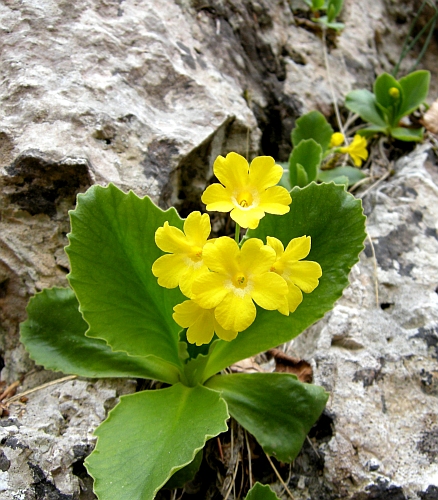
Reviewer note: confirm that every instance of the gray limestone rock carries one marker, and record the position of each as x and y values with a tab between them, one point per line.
378	355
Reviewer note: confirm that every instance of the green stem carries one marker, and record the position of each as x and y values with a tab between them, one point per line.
237	234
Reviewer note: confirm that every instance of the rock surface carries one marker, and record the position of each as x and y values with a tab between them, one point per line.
146	94
379	360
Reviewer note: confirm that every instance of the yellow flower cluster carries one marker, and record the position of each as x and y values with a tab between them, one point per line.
222	280
357	150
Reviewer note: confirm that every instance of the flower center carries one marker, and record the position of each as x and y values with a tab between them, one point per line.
245	199
240	280
196	254
277	267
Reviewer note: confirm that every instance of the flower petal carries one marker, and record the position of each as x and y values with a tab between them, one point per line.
275	200
235	313
171	239
200	322
186	314
202	330
264	173
231	171
269	291
297	249
294	297
223	334
168	269
276	244
247	218
189	276
217	198
197	228
221	256
255	257
305	274
209	290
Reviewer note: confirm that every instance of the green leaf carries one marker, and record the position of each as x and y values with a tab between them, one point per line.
284	181
407	134
332	25
415	89
363	102
314	126
335	7
370	131
261	492
382	85
151	435
318	4
111	251
304	162
275	408
301	175
353	174
186	474
54	336
335	221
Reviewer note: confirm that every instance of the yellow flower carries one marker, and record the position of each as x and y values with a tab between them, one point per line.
394	92
357	150
201	323
184	262
299	275
248	192
336	140
240	277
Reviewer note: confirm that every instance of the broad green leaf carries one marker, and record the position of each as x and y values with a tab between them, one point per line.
308	156
335	7
415	89
382	86
363	102
261	492
111	251
407	134
151	435
314	126
54	336
353	174
370	131
187	473
301	177
341	180
275	408
335	221
318	4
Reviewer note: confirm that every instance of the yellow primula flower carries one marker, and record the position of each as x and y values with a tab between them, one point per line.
247	191
336	140
357	150
184	262
299	275
239	277
201	323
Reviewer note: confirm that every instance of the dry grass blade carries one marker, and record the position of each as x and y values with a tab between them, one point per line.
279	477
43	386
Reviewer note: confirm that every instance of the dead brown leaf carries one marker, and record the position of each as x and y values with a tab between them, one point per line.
289	364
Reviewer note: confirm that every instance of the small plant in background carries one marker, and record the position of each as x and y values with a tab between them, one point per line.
182	316
330	8
315	154
391	102
410	41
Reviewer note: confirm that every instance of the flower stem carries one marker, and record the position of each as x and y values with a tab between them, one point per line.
237	234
